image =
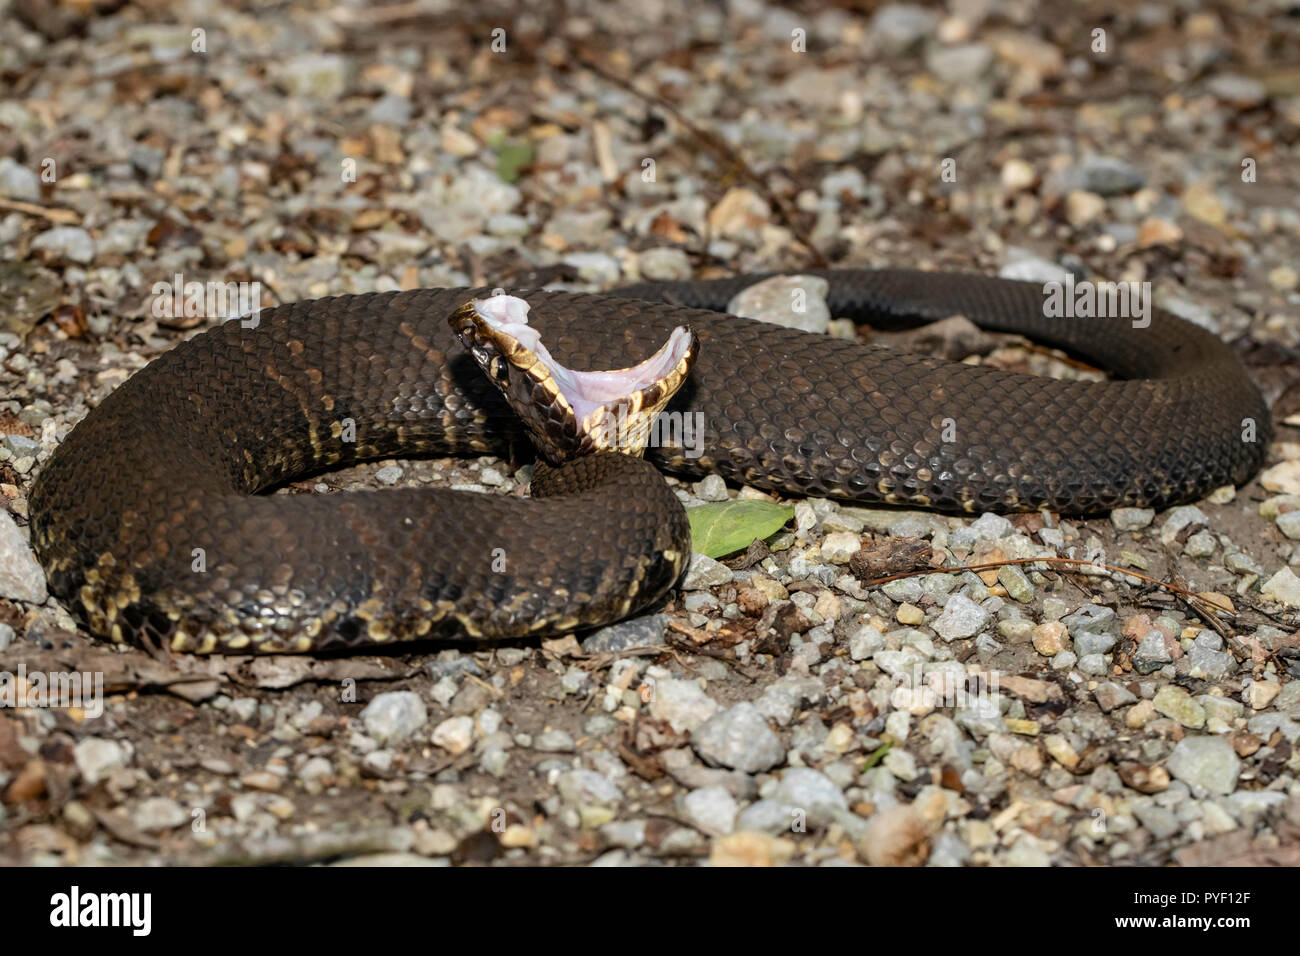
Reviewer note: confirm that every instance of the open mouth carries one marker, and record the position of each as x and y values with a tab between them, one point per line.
584	392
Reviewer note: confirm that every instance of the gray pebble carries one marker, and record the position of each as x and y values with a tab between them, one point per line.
1289	524
1093	664
664	264
704	572
1103	175
1209	762
797	302
711	488
738	738
712	809
18	182
159	813
1110	695
681	702
645	631
1151	654
812	792
865	642
1131	519
68	242
586	787
987	527
1159	821
554	741
394	716
897	27
21	578
1179	518
964	63
961	617
767	816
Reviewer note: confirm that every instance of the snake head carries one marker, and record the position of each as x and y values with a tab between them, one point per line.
570	413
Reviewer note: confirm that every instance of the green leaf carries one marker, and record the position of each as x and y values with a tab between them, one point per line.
875	757
512	156
723	527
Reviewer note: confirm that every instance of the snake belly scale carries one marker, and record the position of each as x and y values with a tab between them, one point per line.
148	522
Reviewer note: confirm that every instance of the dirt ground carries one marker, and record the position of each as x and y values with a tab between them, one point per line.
755	717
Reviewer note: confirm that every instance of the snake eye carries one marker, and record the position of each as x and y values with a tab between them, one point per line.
500	369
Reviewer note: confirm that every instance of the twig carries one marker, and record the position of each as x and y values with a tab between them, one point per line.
1155	582
52	213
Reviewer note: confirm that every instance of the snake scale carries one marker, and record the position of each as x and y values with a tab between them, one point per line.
149	525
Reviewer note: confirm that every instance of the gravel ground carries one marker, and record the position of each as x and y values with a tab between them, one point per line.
777	709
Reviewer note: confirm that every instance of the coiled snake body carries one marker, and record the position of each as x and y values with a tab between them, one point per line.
147	521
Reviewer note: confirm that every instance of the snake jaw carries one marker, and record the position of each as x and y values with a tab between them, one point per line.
570	413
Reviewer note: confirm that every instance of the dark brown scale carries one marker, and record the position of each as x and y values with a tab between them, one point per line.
171	461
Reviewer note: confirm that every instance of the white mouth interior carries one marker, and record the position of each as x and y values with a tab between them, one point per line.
584	391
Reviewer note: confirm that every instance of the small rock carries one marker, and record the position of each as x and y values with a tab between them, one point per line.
705	573
1180	518
1283	587
837	548
1082	207
797	302
1131	519
394	716
712	809
961	617
1110	696
909	614
865	642
1016	174
1260	693
666	264
1283	278
586	787
1208	762
897	836
322	75
812	792
1152	652
1241	91
455	734
1177	704
966	63
1206	661
21	577
159	813
1050	638
1102	175
18	182
681	702
748	848
1016	582
1283	478
263	780
711	488
98	758
739	739
66	242
897	27
645	631
1160	821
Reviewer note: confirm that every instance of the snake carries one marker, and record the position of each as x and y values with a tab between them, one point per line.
152	521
